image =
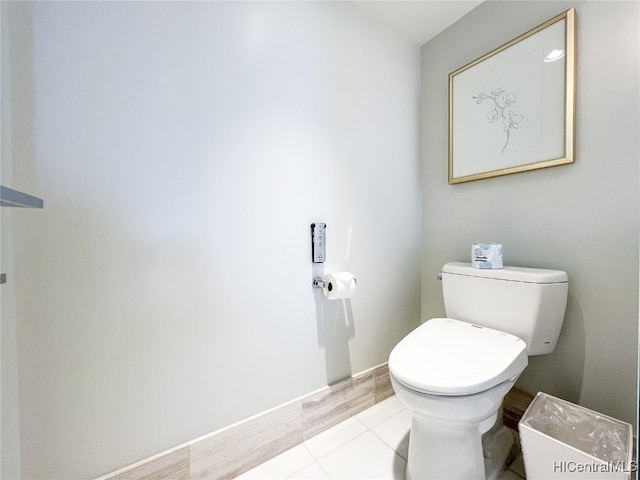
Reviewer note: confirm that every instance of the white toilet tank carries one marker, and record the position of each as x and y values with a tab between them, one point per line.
526	302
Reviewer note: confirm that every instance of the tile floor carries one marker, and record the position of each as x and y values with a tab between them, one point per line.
372	444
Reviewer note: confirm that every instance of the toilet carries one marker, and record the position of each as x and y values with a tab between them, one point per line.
453	373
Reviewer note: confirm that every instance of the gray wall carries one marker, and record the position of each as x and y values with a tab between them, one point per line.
182	150
581	218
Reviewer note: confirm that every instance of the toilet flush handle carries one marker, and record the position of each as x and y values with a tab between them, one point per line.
439	275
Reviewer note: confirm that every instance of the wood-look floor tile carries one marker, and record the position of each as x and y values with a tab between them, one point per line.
515	403
383	387
235	450
171	466
331	405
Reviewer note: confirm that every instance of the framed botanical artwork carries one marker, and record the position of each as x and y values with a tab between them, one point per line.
513	109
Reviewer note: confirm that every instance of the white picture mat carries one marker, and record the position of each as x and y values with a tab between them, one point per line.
539	89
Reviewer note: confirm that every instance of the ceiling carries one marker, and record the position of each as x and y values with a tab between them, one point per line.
418	20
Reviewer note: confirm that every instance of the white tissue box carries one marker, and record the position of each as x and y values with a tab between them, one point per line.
486	255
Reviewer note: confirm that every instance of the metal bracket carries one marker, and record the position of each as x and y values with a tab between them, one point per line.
319	283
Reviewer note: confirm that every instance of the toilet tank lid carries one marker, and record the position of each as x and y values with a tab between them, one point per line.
514	274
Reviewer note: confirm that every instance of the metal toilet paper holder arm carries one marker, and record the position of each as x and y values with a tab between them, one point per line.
319	283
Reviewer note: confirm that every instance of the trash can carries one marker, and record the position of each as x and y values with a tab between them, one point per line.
561	440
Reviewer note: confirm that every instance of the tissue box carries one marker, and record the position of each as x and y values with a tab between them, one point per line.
486	255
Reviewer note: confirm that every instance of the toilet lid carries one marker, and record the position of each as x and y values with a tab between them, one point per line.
449	357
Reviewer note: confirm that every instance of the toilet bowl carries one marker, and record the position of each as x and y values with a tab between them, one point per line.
453	373
453	376
442	448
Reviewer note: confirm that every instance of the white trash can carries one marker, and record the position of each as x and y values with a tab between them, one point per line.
561	440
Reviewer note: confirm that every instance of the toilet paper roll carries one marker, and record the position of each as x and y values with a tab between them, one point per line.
339	285
486	255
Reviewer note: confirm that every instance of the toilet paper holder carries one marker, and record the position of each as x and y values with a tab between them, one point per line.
318	282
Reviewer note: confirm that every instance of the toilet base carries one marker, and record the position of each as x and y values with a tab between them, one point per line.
440	450
451	435
499	448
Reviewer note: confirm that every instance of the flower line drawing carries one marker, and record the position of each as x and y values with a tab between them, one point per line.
502	102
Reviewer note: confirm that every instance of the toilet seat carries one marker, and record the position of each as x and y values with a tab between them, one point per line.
449	357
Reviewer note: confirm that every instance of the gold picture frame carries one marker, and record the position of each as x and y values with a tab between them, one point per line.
513	109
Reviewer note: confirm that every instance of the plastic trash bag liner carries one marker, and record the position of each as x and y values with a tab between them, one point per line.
598	435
